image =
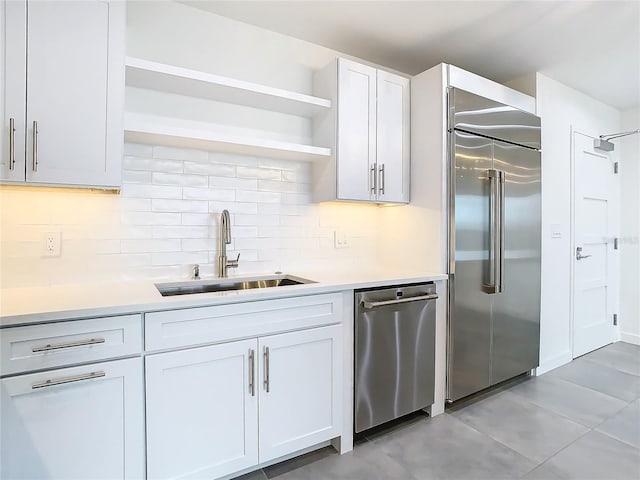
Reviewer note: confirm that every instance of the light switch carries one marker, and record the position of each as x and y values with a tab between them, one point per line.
556	230
340	239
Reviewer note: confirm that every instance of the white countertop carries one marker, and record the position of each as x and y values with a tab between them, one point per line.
19	306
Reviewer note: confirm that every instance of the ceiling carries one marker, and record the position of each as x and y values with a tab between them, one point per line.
592	46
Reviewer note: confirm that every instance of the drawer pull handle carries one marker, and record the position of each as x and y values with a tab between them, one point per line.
266	369
12	142
58	346
252	385
74	378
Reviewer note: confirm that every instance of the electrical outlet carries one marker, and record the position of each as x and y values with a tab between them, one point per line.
52	244
340	239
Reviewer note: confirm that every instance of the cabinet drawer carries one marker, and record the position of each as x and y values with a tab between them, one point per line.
37	347
197	326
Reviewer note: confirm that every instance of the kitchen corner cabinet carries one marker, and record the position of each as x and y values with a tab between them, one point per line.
62	92
215	410
369	131
78	422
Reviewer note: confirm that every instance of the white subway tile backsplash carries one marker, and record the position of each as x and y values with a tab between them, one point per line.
242	232
276	186
260	173
258	197
150	218
179	258
197	244
245	208
204	168
180	231
208	194
150	191
135	176
233	182
138	149
197	219
150	245
179	179
256	220
164	205
167	218
239	160
148	164
179	153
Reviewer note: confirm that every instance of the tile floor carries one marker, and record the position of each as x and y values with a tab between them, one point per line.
579	421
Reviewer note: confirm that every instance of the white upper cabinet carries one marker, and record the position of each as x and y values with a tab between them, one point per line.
356	136
369	128
392	135
63	92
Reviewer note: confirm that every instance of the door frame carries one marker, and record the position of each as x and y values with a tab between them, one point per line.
572	237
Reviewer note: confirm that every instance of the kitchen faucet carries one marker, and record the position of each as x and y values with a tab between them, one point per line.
224	240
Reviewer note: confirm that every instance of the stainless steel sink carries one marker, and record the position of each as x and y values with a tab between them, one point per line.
226	284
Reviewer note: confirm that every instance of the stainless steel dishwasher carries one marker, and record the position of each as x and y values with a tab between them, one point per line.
394	352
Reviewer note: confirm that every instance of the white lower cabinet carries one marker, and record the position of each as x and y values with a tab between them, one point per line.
202	419
74	423
216	410
300	390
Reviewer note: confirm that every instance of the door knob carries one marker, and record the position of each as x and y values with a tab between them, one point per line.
579	255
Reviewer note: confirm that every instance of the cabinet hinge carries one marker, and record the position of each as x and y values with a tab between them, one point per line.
616	241
615	319
615	167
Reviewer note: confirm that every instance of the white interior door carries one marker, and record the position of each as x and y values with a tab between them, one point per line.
595	267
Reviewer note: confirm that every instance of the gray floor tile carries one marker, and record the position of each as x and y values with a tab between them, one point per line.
445	448
365	462
621	356
257	475
625	425
599	377
594	456
522	426
581	404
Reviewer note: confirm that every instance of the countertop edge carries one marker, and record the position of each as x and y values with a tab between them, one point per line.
159	303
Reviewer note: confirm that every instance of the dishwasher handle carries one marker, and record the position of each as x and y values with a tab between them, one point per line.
384	303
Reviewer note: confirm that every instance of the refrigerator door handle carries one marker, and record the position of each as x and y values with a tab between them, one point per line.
494	232
501	186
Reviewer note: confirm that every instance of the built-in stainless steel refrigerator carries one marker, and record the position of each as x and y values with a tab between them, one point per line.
494	243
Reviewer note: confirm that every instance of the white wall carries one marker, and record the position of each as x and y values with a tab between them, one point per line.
630	229
166	215
561	109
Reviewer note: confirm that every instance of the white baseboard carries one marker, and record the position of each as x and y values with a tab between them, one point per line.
630	338
554	362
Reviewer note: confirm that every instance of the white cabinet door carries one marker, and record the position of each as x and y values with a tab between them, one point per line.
393	155
13	93
74	423
75	77
356	135
300	390
67	128
201	412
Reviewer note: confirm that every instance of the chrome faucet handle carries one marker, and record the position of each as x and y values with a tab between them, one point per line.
233	263
195	273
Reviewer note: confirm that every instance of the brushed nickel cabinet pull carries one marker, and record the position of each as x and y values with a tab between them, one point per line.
35	146
266	368
12	144
252	386
61	381
58	346
381	172
374	180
